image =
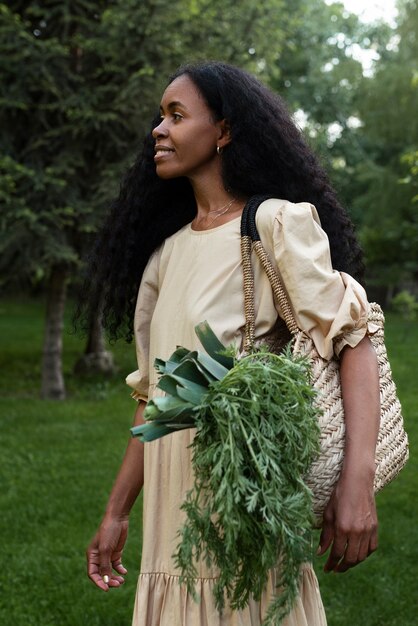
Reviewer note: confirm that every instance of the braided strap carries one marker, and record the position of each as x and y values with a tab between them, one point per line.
250	239
277	287
248	293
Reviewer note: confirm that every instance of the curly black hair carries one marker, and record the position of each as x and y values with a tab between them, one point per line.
267	155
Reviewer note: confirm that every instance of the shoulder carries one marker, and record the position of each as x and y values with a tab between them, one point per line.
276	217
284	212
169	243
159	259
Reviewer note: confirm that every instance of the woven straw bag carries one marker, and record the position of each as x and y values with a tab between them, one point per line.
392	443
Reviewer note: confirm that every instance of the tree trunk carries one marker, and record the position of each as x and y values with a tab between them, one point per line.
53	387
96	359
389	295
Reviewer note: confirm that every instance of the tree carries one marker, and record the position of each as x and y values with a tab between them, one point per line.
78	81
39	221
364	125
388	104
319	75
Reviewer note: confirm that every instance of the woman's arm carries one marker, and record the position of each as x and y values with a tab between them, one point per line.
350	519
105	549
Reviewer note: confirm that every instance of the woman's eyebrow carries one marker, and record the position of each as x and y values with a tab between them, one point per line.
173	105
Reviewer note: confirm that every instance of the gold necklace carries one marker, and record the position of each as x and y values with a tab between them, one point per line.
219	212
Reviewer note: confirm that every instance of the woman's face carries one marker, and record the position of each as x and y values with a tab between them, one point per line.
187	137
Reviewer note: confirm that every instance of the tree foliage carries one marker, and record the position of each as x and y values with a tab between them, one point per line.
363	123
80	80
388	104
319	75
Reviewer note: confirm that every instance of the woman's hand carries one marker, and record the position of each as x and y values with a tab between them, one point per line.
350	519
350	523
105	549
104	553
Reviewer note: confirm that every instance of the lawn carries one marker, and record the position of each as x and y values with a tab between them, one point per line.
383	590
58	461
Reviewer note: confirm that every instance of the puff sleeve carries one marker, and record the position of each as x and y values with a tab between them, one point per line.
147	298
330	306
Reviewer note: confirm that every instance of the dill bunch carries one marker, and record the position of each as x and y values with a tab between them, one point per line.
256	435
249	509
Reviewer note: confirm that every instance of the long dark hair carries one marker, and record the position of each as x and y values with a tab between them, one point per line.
267	155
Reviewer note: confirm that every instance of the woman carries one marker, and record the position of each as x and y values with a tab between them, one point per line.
220	138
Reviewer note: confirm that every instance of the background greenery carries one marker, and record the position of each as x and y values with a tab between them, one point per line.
79	82
58	463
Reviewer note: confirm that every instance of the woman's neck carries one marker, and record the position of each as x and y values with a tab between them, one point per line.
215	204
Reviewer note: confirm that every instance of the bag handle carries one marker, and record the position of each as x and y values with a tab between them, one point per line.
250	239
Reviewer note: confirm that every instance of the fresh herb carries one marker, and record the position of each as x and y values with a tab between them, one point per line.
256	436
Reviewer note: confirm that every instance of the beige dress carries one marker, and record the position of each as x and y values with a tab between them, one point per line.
195	276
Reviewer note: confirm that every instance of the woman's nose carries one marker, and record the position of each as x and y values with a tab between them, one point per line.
160	130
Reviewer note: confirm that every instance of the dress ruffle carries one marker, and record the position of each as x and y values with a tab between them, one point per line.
162	601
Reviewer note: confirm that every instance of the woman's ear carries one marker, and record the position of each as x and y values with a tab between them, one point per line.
224	133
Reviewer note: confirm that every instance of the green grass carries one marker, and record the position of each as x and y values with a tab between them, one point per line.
382	591
58	461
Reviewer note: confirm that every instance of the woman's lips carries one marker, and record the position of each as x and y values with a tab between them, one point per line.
161	152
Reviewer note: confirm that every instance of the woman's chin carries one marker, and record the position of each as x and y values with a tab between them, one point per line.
166	173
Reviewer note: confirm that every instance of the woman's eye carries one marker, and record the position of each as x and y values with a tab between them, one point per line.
177	117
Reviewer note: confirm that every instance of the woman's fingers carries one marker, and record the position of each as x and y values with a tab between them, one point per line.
327	535
349	529
337	553
367	544
93	569
104	555
100	572
351	548
117	565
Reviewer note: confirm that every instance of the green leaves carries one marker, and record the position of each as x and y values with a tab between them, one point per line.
212	345
256	436
185	377
249	509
